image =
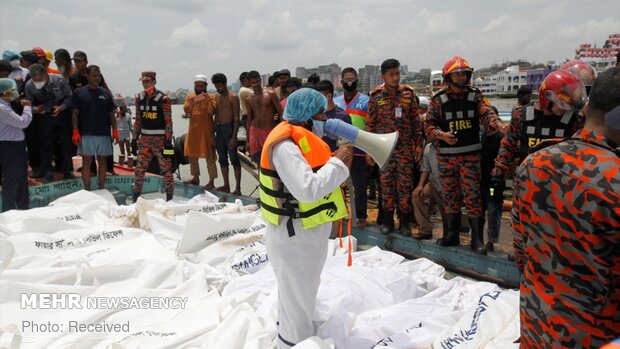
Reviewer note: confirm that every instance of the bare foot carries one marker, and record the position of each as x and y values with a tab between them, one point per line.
194	181
209	186
237	192
223	189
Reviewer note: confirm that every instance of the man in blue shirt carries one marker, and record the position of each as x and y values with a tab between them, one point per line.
93	115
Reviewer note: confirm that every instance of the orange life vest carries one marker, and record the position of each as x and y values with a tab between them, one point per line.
277	202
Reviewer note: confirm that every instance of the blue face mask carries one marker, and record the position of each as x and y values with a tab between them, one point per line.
317	127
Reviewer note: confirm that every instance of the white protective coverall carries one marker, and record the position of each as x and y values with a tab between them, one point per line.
298	261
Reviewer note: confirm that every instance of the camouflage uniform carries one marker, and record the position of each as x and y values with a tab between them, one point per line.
152	138
388	113
459	164
460	171
518	141
566	220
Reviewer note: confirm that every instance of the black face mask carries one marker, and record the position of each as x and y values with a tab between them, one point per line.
350	86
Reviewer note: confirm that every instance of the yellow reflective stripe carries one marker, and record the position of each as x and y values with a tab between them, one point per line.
268	200
304	145
327	215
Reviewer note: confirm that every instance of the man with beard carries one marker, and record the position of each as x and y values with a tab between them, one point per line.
63	62
263	110
200	140
355	104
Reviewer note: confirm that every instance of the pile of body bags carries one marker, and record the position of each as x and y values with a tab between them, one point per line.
84	272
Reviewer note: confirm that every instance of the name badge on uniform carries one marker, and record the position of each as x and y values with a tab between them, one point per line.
398	112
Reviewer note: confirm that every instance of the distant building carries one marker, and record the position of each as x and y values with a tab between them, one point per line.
509	80
369	77
264	79
535	78
329	72
424	76
486	84
600	58
436	80
404	69
301	72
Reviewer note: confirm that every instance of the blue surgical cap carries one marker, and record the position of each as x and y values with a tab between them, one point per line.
303	104
6	85
9	55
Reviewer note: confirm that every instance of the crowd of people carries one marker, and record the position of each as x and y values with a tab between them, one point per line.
452	150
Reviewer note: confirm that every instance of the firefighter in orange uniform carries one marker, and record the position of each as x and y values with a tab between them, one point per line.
455	116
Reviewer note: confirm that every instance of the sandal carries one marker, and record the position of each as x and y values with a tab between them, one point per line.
237	193
209	186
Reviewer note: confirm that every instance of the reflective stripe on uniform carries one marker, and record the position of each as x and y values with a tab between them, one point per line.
153	132
530	130
566	117
529	113
460	150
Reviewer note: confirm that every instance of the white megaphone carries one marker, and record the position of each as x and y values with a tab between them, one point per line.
379	146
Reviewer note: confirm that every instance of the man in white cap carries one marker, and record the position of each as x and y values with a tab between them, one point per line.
200	140
300	202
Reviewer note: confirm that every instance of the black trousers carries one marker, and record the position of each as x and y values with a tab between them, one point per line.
53	134
14	162
33	141
359	175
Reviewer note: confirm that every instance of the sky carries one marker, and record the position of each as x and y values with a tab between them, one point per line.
181	38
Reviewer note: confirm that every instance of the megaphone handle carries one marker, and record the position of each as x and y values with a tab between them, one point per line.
343	141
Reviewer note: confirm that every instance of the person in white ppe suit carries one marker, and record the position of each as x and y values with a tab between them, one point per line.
300	196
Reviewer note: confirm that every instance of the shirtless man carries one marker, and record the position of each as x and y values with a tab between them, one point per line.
226	128
263	106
